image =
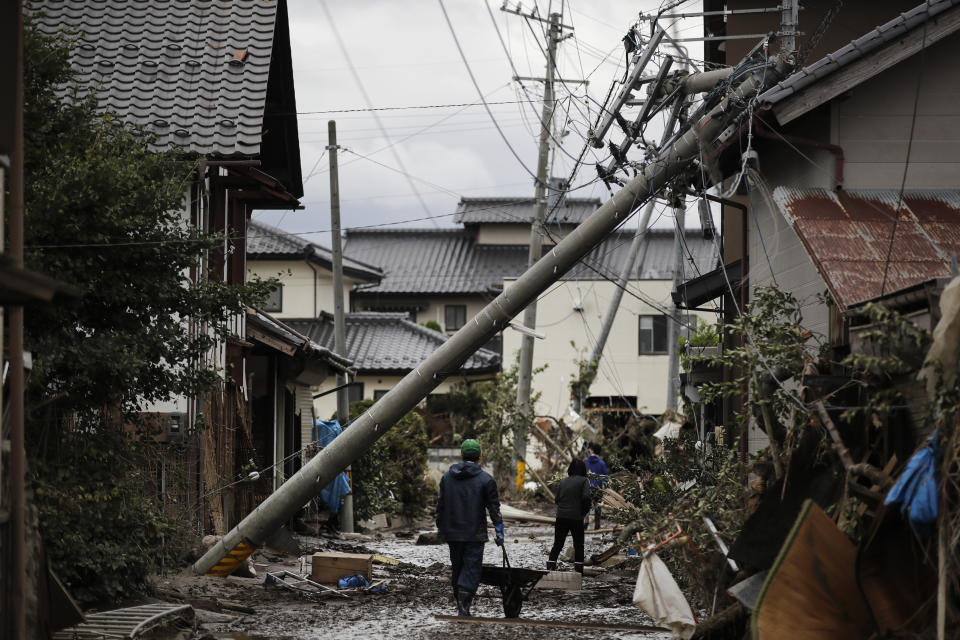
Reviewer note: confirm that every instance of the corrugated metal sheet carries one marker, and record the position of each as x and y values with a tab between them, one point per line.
448	261
520	210
170	66
265	242
388	342
847	235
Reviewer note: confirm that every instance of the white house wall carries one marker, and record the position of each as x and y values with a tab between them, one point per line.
298	281
623	371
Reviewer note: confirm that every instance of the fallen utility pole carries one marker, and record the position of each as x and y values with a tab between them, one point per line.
525	371
710	129
339	326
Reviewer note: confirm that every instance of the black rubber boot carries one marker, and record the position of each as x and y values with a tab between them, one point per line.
456	593
464	598
551	565
578	567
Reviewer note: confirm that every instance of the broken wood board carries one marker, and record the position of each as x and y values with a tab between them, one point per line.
564	580
556	624
328	568
811	592
512	513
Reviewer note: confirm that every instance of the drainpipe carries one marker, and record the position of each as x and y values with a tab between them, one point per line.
315	277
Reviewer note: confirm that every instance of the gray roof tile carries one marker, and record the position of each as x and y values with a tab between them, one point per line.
265	242
169	65
520	210
448	261
388	342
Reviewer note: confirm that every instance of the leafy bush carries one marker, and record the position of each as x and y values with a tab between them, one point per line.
391	476
103	532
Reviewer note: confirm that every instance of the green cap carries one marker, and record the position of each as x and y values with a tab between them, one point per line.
470	446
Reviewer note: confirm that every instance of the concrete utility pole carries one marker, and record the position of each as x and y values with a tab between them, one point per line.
789	19
450	356
630	262
525	372
673	329
339	324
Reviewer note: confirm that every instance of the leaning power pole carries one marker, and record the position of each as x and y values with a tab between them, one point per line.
339	326
525	372
711	128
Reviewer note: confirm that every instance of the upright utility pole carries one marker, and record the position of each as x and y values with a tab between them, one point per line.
673	328
789	18
536	247
339	325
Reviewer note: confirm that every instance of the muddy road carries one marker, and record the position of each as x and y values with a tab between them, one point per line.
418	589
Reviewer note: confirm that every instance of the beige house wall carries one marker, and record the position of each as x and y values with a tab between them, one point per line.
306	293
623	370
514	234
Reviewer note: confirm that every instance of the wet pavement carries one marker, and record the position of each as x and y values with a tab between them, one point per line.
418	589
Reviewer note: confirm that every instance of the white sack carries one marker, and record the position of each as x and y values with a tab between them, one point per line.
657	593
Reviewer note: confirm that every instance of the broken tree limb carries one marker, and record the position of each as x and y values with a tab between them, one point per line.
536	476
862	469
712	128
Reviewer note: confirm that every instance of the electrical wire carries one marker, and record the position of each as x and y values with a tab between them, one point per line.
473	79
366	97
906	163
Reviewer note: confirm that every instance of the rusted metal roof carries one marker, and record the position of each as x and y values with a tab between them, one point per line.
848	235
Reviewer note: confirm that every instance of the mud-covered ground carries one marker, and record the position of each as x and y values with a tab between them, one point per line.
418	589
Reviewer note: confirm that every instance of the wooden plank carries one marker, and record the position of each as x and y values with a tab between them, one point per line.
565	580
811	591
865	68
330	567
556	624
271	341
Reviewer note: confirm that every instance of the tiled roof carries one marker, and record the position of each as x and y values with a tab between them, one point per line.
193	73
260	321
265	242
389	342
857	49
520	210
448	261
847	236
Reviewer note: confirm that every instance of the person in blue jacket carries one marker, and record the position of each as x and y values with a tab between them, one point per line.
467	494
597	469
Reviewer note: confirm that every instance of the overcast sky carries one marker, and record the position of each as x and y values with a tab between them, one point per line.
405	56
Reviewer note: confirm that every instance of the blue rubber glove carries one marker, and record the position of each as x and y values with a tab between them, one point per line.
499	537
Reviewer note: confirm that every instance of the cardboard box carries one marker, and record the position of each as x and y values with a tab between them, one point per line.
327	568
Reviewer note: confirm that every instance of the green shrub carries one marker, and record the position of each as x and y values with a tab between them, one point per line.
391	476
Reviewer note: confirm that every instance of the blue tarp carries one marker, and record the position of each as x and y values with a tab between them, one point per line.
916	489
324	431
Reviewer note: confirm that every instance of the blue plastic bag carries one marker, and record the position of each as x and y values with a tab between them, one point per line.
324	432
916	489
352	582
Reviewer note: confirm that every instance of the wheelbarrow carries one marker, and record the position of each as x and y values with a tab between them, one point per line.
515	584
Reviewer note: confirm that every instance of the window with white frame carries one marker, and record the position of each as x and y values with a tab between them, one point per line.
653	334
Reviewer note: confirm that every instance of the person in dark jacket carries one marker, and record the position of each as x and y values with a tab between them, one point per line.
466	493
573	503
598	479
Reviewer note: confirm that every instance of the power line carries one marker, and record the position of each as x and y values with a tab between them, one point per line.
450	105
479	92
906	164
366	97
